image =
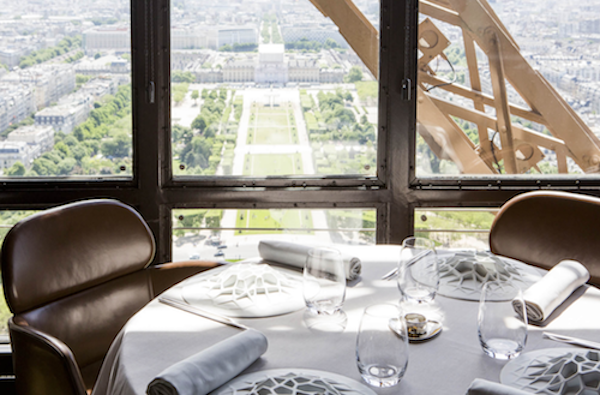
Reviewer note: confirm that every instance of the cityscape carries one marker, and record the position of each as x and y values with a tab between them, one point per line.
259	88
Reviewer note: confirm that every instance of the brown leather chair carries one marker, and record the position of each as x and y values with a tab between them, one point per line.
73	276
542	228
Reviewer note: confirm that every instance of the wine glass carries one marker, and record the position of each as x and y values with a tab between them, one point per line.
382	345
418	271
502	324
324	281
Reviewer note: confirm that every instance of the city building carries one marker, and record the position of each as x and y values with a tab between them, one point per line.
64	117
237	35
49	81
181	58
193	38
17	102
10	56
39	138
331	76
242	70
303	69
271	68
12	152
107	37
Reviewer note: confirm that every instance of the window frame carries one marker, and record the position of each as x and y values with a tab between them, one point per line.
395	192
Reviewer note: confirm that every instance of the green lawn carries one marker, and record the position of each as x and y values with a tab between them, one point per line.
272	219
272	125
366	89
272	165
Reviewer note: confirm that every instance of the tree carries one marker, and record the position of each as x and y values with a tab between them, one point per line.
18	169
66	166
330	43
355	74
117	147
44	167
195	95
199	123
79	152
62	149
182	76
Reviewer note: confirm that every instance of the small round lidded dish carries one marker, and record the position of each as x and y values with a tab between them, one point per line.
419	328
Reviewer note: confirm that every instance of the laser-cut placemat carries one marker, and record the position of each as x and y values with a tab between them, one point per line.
555	371
463	273
247	290
293	382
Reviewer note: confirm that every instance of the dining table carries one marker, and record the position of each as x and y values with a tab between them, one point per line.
160	335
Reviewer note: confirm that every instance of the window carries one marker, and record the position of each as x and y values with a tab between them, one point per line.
65	80
456	228
262	91
497	100
233	235
219	115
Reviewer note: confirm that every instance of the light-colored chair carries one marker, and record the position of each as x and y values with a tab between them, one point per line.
542	228
73	276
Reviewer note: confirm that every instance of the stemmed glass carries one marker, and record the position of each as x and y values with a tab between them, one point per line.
382	346
418	270
324	281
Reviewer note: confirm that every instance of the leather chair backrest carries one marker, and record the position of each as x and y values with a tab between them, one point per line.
71	248
543	228
75	273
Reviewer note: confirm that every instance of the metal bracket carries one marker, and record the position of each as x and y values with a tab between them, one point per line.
406	89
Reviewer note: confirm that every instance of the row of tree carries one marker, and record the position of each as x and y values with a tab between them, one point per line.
239	47
65	45
333	120
312	46
200	147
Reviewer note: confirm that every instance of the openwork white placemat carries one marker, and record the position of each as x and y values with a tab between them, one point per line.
293	382
463	273
247	290
555	371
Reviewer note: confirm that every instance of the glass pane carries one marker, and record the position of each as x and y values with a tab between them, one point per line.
234	235
456	228
7	220
65	84
272	89
508	90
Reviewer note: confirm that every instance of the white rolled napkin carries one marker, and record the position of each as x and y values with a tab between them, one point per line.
209	369
543	297
485	387
293	254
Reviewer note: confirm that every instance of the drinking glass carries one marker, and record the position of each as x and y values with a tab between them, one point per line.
382	346
324	281
502	324
418	274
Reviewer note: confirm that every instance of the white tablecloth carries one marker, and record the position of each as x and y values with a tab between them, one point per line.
160	335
